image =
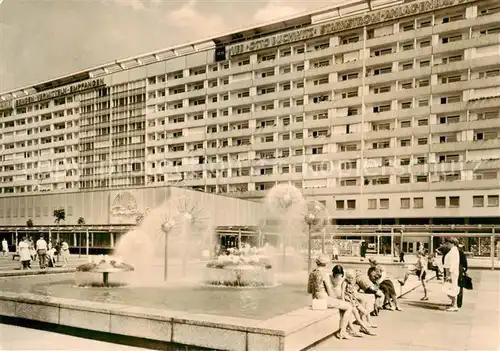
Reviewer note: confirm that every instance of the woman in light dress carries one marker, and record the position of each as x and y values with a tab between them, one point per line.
65	253
322	291
452	272
24	254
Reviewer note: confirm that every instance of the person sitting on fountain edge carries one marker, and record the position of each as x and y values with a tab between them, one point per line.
325	296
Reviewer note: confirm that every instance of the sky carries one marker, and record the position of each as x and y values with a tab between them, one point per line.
44	39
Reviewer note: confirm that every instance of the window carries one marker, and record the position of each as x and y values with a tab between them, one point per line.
492	200
384	203
451	39
405	124
407	85
450	99
351	204
490	73
451	79
440	202
407	46
454	201
404	180
478	201
405	161
423	83
339	204
406	105
380	90
423	102
418	202
423	122
405	202
372	204
383	70
382	52
425	43
405	142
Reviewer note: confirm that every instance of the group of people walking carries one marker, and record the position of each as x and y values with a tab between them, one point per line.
346	290
46	253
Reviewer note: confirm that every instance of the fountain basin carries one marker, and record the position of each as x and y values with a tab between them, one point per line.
240	276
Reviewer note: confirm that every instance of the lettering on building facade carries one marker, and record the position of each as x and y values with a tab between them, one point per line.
339	25
75	88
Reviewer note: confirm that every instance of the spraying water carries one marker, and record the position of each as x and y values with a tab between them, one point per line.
164	244
285	205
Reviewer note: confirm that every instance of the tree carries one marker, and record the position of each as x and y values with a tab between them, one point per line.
81	221
59	215
29	223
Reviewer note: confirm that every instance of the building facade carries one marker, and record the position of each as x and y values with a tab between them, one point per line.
386	112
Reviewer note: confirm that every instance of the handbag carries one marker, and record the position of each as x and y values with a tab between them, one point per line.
465	282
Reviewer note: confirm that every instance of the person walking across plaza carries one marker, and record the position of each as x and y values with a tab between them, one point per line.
41	250
452	273
5	248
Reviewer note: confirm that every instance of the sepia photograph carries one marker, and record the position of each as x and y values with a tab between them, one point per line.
250	175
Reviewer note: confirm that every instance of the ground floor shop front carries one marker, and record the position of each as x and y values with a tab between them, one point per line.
103	239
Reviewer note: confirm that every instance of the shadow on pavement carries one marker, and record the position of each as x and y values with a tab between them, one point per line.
426	304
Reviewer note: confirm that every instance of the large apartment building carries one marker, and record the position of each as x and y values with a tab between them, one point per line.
382	110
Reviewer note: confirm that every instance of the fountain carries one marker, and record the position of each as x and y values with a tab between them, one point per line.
285	204
241	268
103	265
172	233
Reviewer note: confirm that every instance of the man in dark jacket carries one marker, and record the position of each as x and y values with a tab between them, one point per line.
462	271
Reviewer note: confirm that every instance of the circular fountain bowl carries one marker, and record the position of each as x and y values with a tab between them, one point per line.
240	276
97	274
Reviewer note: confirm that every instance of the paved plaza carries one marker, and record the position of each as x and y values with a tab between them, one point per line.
20	338
424	325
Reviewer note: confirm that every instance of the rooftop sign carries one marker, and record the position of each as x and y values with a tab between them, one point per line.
339	25
51	94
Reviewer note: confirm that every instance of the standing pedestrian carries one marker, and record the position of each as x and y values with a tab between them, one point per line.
65	253
24	253
41	250
452	271
363	250
335	253
5	247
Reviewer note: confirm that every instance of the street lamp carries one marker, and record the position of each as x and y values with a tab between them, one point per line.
166	227
315	218
186	218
